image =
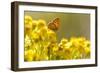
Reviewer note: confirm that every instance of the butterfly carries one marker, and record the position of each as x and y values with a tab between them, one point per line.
54	24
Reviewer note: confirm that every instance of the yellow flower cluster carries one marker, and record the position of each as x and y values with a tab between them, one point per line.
40	43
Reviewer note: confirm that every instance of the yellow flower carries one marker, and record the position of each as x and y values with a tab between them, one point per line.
41	23
34	24
75	42
64	41
87	50
28	24
43	33
64	44
81	39
35	35
52	35
68	45
27	41
55	47
29	55
28	19
87	43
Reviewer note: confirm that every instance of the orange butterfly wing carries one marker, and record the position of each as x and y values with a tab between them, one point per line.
54	25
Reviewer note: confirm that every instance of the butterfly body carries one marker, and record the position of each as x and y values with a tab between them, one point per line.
54	24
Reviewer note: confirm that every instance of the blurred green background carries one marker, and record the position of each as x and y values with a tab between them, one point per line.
71	24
